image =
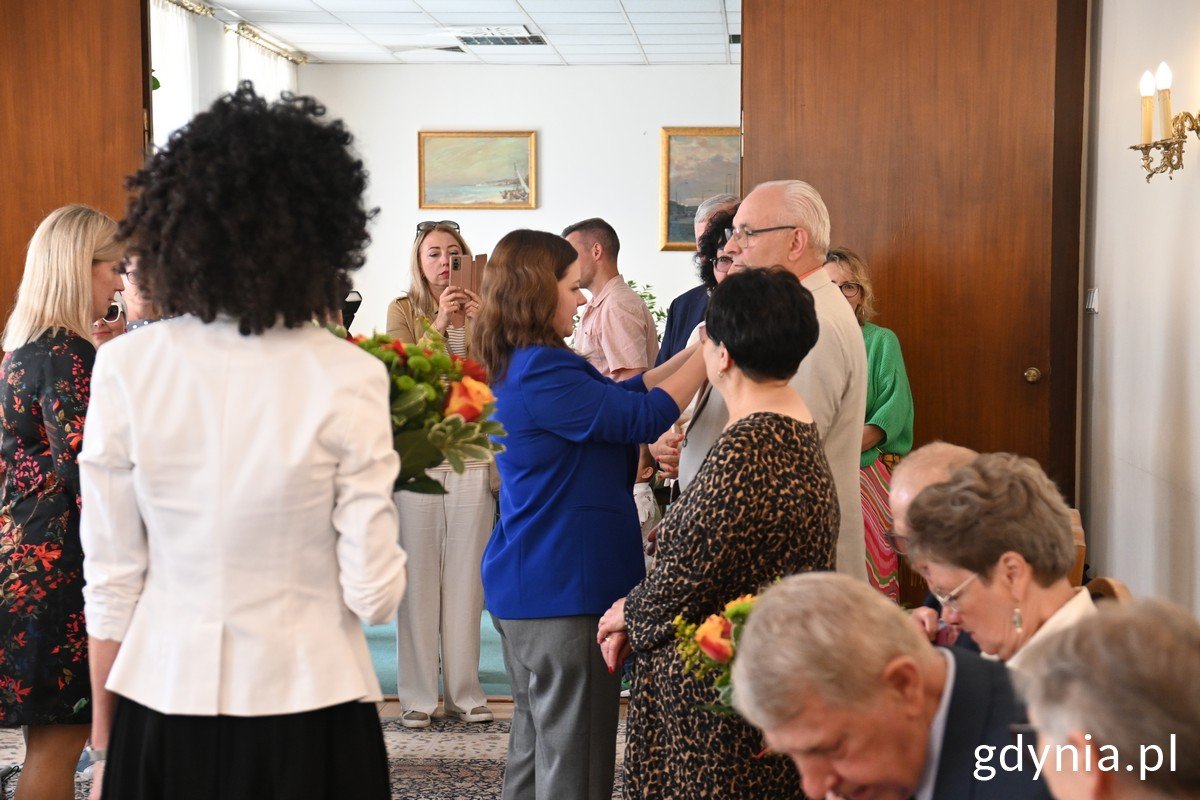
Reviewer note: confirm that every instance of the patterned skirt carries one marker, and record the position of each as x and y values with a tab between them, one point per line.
883	565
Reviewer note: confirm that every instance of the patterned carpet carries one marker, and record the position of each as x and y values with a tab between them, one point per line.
450	760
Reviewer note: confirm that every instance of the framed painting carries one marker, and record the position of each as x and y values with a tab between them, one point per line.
477	169
697	163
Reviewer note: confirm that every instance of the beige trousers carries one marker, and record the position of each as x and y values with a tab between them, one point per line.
444	536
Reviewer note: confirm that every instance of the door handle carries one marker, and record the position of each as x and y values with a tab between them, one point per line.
1033	375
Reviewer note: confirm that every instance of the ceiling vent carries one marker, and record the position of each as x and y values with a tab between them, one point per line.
498	35
735	38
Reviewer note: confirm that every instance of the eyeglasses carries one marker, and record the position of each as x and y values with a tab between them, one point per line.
722	264
740	235
113	314
849	288
951	600
429	225
897	541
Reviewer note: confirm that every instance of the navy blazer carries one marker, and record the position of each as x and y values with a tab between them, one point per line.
568	541
686	312
982	707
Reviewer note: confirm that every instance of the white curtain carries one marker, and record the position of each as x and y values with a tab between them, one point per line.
173	59
247	61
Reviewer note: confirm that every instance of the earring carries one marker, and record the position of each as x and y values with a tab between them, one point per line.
1016	620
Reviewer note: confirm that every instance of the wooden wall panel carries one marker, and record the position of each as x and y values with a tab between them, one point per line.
73	87
946	137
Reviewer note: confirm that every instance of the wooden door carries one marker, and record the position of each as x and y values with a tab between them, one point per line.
946	137
74	86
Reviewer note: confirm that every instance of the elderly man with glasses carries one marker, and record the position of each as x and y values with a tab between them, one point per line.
786	224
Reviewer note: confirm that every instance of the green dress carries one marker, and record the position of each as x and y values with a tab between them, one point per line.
890	408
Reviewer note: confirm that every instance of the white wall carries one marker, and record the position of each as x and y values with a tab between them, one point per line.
1141	462
598	152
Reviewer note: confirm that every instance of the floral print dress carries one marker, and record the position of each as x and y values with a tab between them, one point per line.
44	389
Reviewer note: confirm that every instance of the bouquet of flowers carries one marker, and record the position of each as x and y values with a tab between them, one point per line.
440	406
708	649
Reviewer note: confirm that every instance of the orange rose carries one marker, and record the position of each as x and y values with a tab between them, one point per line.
468	398
713	636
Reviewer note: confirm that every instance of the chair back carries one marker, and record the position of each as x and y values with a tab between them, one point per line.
1109	589
1076	573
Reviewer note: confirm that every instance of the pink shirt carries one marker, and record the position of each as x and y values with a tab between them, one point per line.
616	330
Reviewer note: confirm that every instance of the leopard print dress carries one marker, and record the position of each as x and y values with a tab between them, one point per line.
762	506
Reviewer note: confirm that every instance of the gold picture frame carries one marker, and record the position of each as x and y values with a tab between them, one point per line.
697	163
477	169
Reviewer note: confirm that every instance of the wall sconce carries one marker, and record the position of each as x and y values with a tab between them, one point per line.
1174	128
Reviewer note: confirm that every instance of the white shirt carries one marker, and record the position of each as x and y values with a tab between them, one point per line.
937	732
832	379
237	517
1080	606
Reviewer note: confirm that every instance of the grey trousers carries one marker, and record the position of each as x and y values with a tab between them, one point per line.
565	708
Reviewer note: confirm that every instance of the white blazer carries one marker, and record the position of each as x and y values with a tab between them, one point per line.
238	519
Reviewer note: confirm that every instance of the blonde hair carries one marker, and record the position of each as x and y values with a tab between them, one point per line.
819	634
56	286
419	293
856	267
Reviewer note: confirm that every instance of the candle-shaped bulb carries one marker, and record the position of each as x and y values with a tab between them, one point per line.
1147	90
1147	85
1162	78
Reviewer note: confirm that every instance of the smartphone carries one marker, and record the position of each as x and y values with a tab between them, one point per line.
462	269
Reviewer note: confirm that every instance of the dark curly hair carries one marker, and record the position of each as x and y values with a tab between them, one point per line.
710	243
251	210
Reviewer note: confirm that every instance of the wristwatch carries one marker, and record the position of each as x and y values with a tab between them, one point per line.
96	755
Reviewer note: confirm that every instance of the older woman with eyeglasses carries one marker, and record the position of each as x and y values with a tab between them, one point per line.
444	535
888	432
995	545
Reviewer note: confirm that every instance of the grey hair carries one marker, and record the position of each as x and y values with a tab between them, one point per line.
998	503
807	210
932	463
712	205
819	633
1127	677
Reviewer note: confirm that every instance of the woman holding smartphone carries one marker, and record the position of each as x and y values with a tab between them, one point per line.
444	535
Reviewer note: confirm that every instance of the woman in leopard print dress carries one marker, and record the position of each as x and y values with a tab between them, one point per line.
762	506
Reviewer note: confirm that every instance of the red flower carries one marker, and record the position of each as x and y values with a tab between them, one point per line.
468	398
472	369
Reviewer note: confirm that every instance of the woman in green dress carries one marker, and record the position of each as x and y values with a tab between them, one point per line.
888	430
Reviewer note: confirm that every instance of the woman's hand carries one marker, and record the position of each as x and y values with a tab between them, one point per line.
613	621
615	649
470	303
926	620
666	452
450	308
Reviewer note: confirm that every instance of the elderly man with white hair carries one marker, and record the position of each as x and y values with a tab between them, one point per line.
1116	703
786	224
837	679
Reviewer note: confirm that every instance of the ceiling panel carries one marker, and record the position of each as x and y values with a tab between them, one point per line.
583	31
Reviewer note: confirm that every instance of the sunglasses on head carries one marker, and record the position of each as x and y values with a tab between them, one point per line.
429	225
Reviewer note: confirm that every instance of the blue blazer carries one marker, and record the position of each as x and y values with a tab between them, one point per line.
686	312
568	541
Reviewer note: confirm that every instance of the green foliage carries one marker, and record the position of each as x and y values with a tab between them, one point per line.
646	292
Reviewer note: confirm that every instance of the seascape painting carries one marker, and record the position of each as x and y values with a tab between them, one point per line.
469	169
697	163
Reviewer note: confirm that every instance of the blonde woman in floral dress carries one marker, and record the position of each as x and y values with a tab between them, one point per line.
762	506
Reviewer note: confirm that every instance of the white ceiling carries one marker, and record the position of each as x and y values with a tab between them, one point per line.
575	31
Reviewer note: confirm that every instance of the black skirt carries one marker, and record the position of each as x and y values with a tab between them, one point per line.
335	752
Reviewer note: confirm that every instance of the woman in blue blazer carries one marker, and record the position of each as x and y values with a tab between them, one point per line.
568	542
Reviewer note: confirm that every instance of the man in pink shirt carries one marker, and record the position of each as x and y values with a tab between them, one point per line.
616	333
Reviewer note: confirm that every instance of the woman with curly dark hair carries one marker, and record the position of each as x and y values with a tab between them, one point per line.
237	476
